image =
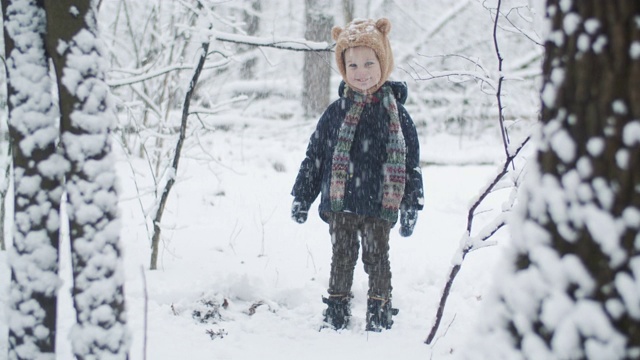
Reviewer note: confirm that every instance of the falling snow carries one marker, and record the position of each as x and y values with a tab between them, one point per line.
220	217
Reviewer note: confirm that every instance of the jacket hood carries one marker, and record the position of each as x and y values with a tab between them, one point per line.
399	88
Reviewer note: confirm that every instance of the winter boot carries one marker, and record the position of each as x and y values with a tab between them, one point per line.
338	311
379	313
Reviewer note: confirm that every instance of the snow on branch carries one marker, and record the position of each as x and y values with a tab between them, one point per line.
503	130
531	35
159	72
421	73
283	43
171	174
469	243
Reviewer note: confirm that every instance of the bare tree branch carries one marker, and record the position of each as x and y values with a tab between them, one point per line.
520	30
146	315
160	72
455	76
3	196
468	243
452	74
503	130
176	158
275	42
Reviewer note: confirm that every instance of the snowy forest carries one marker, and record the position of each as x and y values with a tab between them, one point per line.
149	149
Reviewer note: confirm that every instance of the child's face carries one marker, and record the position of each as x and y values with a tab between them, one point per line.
363	68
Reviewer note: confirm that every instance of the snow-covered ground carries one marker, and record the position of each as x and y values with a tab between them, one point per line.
230	248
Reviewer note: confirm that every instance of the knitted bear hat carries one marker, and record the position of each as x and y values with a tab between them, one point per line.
370	33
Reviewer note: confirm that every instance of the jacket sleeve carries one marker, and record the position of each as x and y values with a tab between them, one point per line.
309	179
413	190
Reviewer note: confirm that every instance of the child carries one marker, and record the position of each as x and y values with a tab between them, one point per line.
364	159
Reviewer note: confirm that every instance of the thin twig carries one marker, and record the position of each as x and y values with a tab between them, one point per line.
313	262
276	43
505	136
157	73
518	29
176	158
445	333
449	74
466	248
146	314
3	195
135	183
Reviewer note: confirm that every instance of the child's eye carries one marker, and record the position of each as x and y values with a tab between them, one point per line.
352	66
369	63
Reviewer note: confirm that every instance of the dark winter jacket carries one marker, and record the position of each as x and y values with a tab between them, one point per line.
363	190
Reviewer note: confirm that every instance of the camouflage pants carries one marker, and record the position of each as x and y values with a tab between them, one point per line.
346	229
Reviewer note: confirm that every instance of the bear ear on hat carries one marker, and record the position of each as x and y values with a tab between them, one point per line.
384	26
335	32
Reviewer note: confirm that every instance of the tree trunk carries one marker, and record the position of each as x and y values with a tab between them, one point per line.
348	9
86	119
317	65
32	127
251	18
3	198
576	241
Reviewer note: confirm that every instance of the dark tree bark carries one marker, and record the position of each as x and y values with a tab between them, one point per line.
86	120
576	247
598	101
348	9
4	191
317	65
32	120
65	33
251	18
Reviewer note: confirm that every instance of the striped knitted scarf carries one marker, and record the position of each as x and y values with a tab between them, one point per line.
394	167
